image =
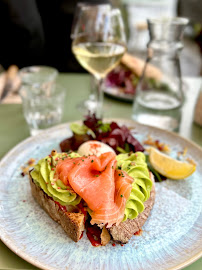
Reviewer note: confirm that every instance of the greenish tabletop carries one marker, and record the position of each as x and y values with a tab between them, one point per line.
13	129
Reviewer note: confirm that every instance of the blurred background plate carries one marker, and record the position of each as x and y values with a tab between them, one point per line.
119	92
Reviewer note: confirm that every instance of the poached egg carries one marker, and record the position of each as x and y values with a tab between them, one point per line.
94	148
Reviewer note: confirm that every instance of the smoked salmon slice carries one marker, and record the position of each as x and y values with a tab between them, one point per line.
102	187
64	167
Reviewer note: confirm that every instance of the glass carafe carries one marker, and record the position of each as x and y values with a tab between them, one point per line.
159	93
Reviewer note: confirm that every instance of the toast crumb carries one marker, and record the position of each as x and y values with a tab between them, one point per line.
105	237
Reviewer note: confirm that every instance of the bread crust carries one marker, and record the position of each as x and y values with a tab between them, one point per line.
72	223
125	230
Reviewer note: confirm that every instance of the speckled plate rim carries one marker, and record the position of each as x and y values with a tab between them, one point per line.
5	239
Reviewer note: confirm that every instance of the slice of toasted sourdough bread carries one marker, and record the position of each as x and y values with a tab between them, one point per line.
73	223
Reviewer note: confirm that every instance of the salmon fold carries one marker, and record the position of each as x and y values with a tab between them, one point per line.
97	181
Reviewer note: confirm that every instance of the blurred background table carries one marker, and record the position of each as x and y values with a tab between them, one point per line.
14	129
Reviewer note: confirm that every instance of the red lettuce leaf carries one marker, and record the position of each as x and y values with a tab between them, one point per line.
115	137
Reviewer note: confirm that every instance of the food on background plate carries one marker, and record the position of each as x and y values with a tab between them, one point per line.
136	65
126	76
110	195
122	78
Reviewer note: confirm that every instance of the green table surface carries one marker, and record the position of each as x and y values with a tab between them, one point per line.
13	129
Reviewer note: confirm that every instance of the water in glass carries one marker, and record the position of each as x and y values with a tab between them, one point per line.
159	93
42	109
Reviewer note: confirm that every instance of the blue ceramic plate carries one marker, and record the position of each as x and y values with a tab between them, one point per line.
172	235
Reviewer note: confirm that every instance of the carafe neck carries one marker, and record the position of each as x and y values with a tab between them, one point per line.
166	34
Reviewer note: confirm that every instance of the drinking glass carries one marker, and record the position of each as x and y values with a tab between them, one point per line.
98	43
42	106
42	76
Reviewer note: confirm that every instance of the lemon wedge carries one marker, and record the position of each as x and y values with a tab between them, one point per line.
169	167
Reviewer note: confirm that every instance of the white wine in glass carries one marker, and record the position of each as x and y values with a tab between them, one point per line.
99	43
98	58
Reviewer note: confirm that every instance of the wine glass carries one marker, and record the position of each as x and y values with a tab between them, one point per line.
89	104
98	43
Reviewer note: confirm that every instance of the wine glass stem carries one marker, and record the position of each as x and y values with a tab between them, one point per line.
99	98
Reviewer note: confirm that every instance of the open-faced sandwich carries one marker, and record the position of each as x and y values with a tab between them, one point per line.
110	195
103	181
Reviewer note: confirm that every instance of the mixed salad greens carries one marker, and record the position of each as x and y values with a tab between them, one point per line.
117	137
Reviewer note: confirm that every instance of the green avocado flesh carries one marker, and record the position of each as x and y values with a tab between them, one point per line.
136	167
43	176
134	164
